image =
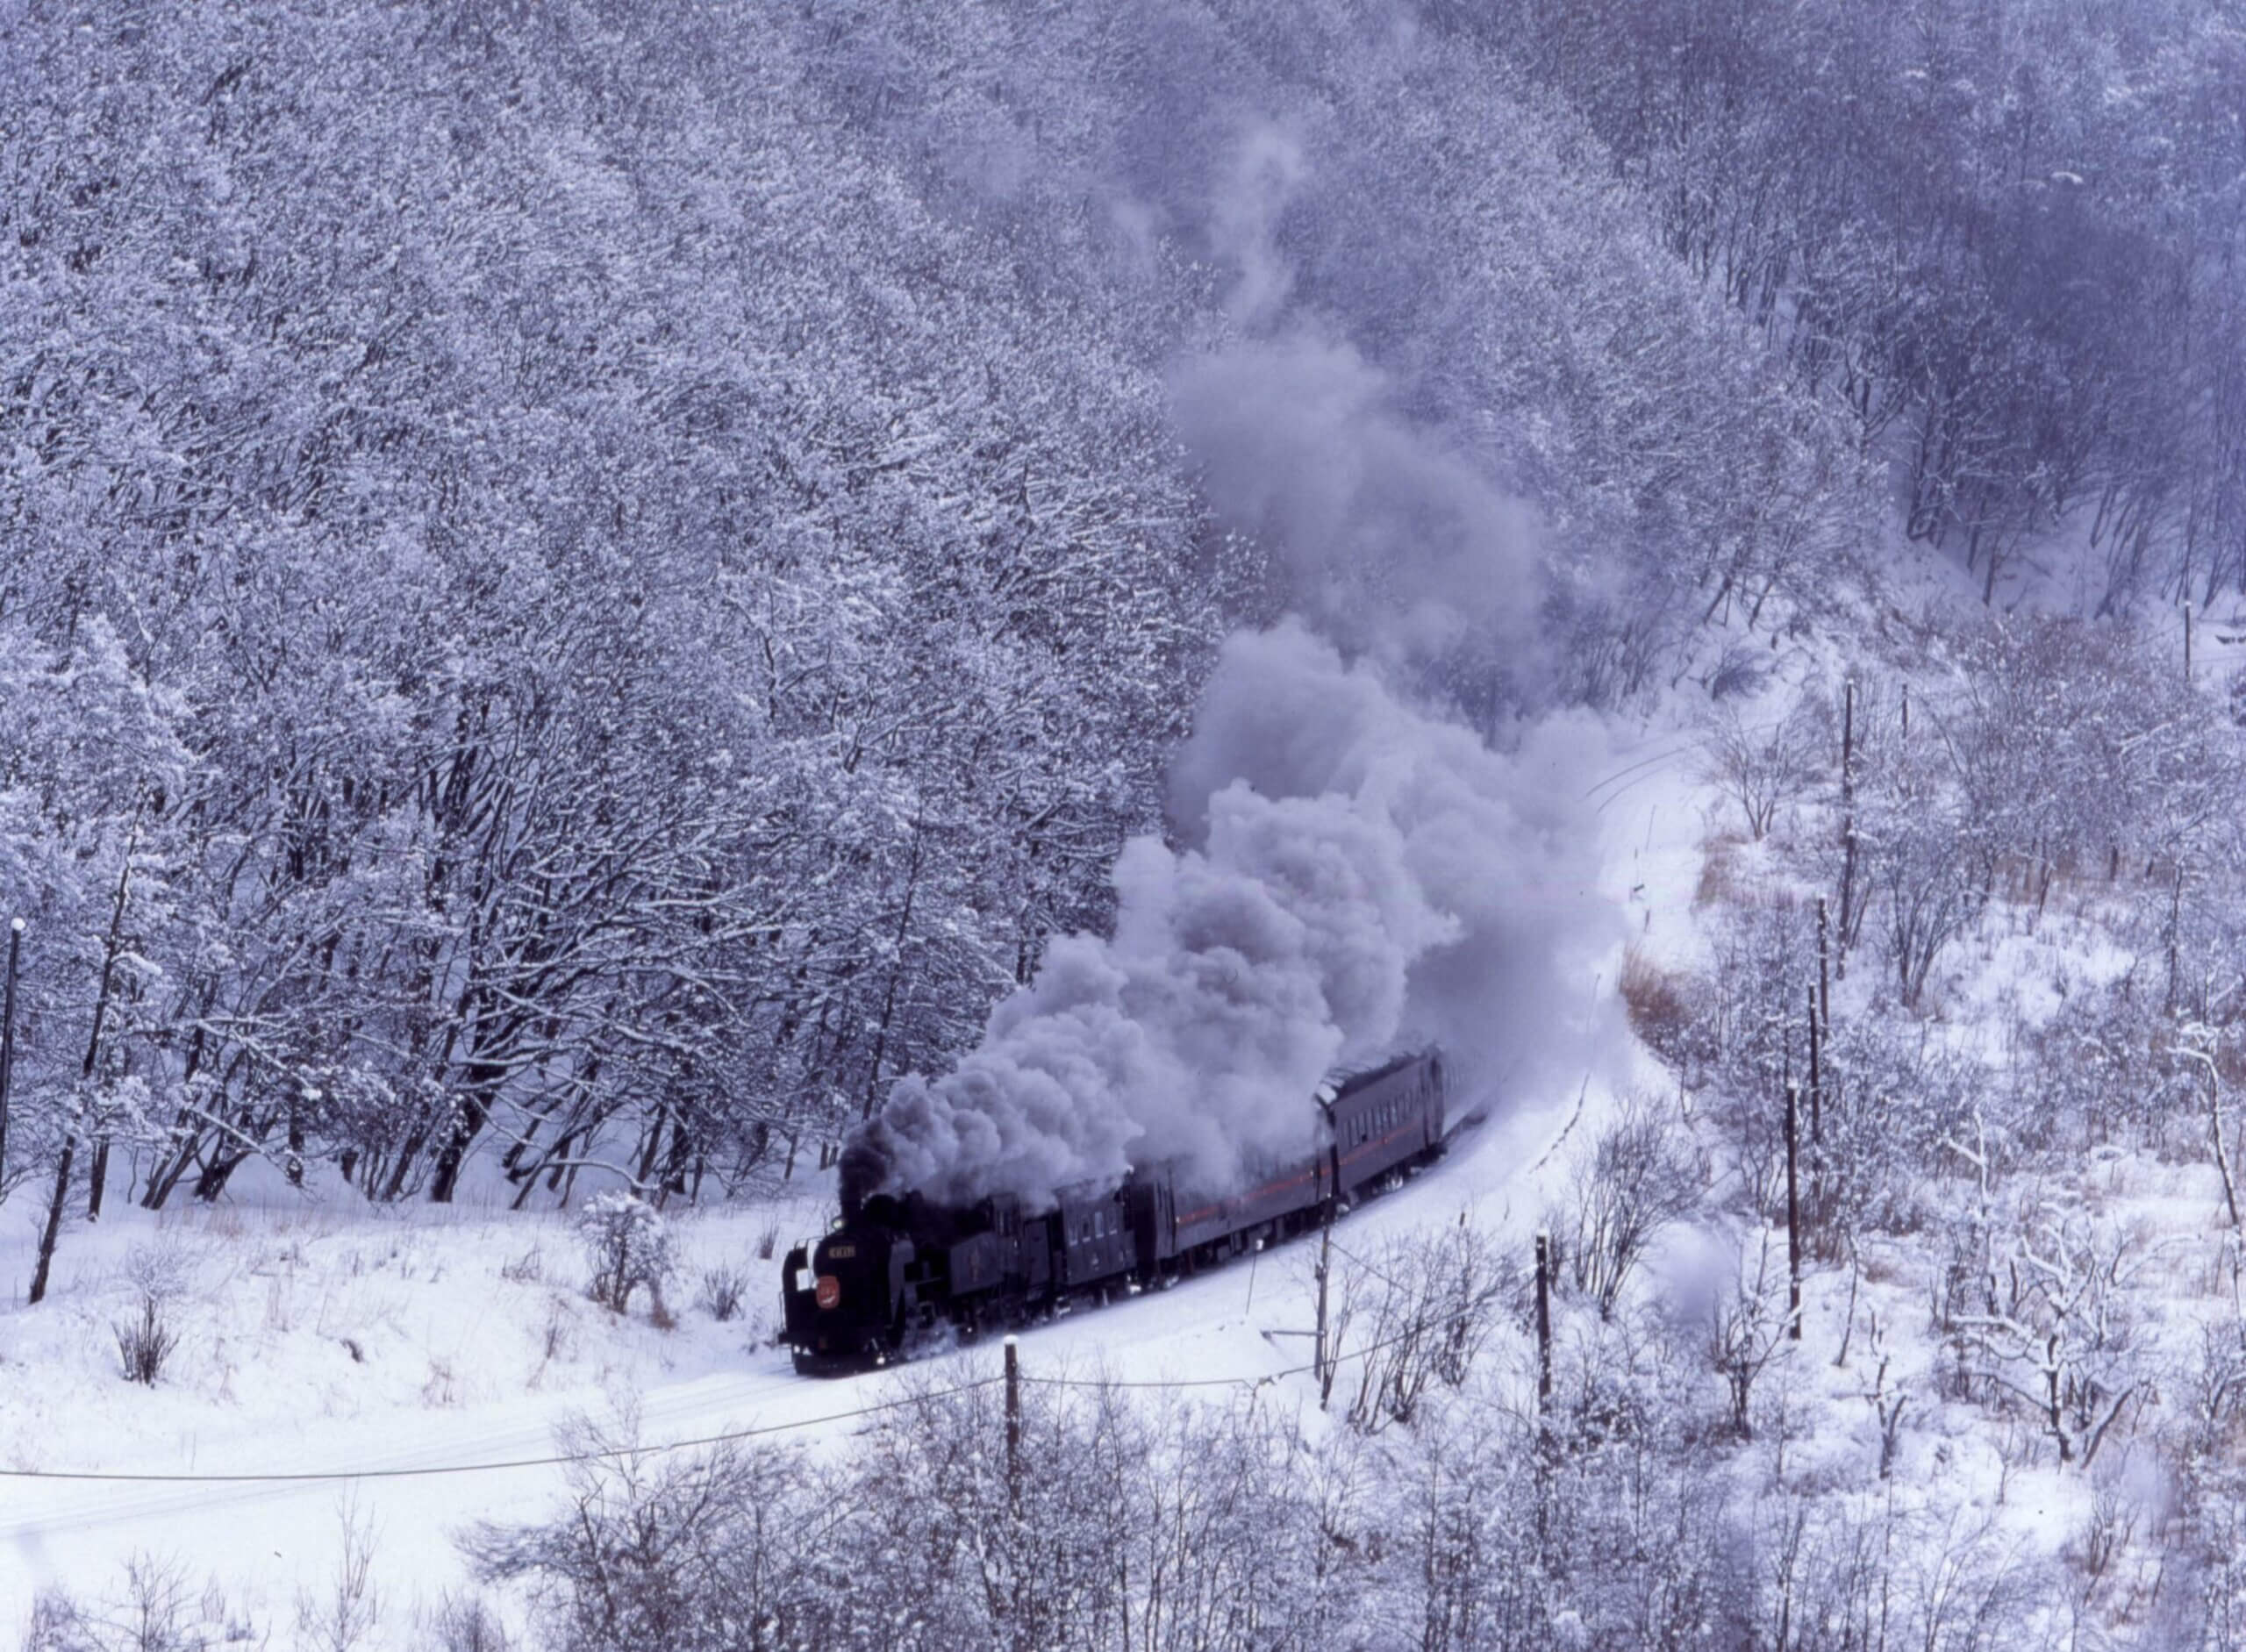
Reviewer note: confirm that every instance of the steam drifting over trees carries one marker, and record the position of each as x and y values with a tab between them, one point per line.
607	585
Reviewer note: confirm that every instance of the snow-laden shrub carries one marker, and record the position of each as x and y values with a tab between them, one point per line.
146	1341
466	1623
1642	1174
628	1246
1419	1310
724	1289
704	1552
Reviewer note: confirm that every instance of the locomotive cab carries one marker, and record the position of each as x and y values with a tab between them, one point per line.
845	1298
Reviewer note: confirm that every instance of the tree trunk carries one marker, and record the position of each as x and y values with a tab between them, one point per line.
53	1230
97	1178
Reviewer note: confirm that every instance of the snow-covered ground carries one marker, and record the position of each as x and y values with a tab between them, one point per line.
374	1347
409	1365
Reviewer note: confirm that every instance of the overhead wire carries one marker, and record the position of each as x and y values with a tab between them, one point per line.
564	1459
555	1460
1257	1381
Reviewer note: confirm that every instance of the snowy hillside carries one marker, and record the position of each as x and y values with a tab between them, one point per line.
624	628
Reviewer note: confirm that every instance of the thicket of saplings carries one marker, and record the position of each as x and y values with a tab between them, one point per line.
1449	1480
1976	1288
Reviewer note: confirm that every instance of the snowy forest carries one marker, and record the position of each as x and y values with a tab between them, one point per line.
587	589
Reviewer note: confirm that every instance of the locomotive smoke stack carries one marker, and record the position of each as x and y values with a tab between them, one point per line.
864	1169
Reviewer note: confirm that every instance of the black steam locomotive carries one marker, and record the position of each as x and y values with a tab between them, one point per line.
893	1267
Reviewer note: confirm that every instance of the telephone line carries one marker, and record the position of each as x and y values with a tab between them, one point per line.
557	1460
564	1459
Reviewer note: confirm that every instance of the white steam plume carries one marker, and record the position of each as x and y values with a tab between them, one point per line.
1355	872
1361	873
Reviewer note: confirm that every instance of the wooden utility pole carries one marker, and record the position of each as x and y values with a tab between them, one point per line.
2175	932
1013	1426
1824	970
1816	1086
1543	1323
1794	1214
1016	1542
8	1038
1321	1365
1848	824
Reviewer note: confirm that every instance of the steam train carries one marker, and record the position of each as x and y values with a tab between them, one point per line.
895	1267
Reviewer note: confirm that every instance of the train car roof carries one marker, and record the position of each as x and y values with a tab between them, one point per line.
1349	1076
